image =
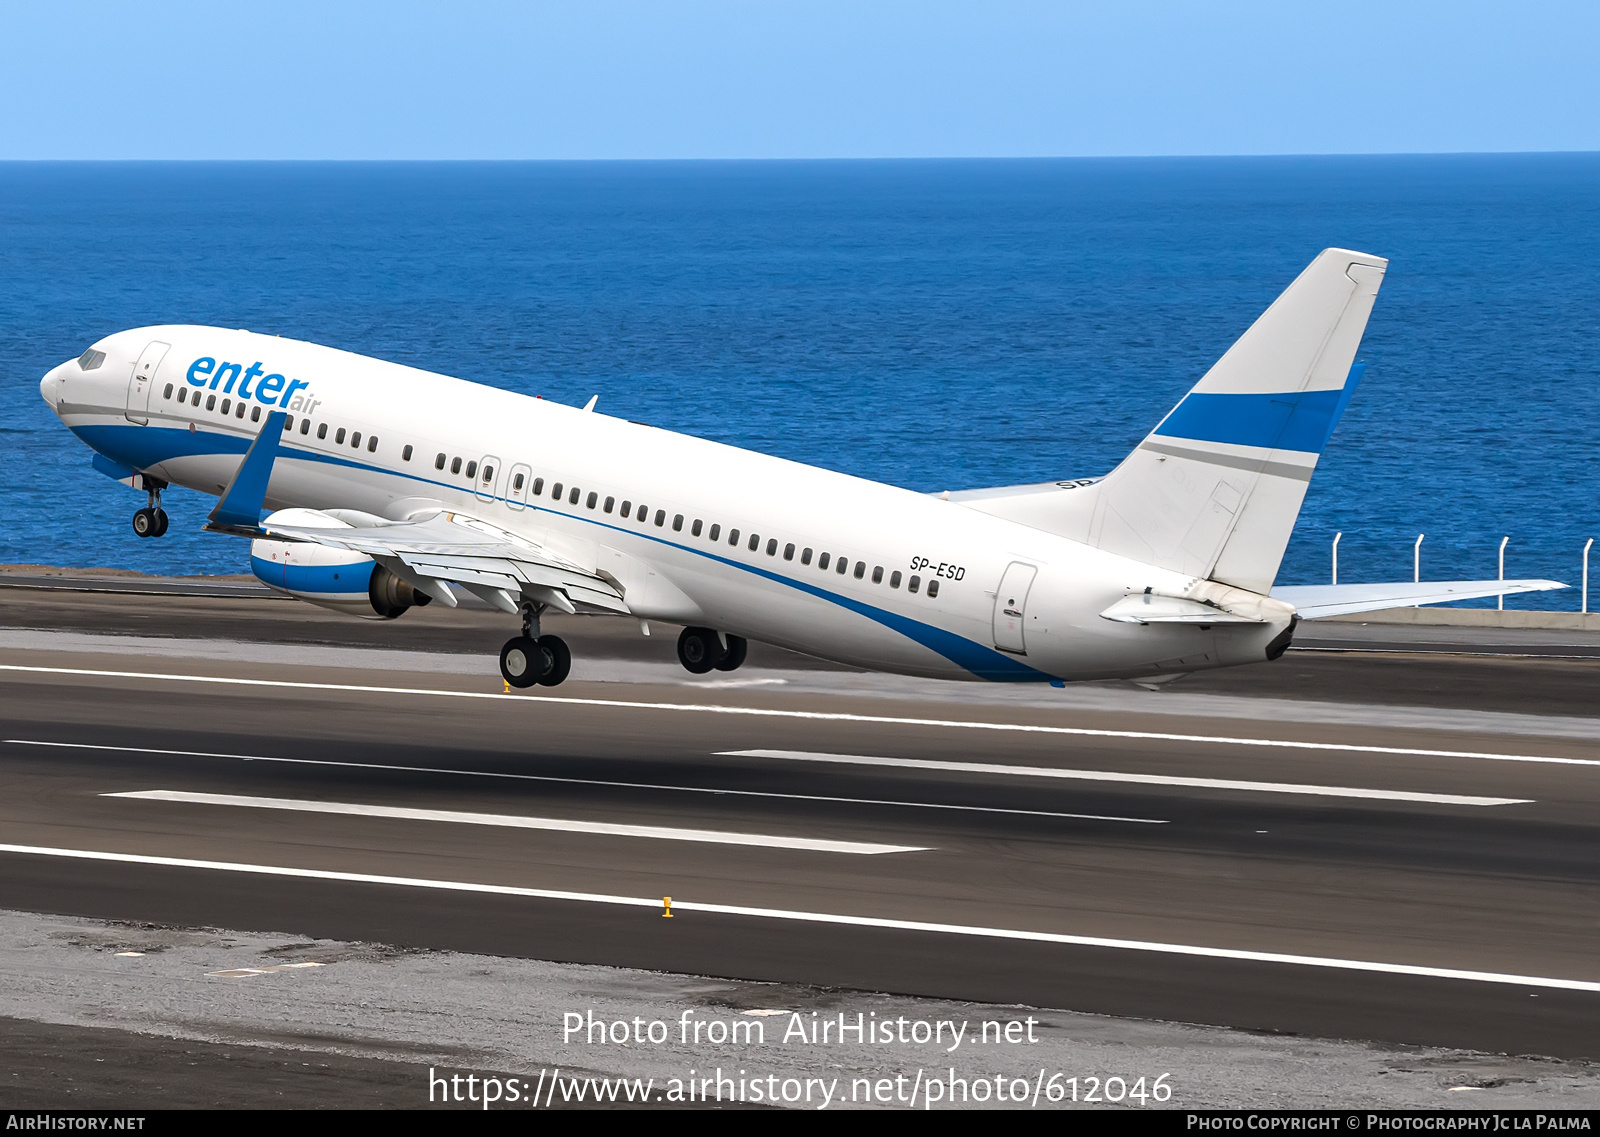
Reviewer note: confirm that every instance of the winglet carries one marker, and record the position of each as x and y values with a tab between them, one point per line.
239	509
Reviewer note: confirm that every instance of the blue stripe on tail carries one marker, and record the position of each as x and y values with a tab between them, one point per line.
1301	421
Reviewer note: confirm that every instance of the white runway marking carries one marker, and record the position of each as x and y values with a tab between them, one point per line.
585	781
1116	776
511	821
813	716
246	972
686	906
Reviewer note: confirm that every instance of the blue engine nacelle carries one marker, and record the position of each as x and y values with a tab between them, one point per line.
352	583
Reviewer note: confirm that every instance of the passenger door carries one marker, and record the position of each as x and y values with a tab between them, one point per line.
1011	606
143	381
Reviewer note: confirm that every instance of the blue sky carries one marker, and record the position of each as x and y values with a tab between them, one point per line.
794	80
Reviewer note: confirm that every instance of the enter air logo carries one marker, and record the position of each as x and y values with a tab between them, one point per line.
253	382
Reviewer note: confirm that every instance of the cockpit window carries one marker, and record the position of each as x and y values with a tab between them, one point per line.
91	359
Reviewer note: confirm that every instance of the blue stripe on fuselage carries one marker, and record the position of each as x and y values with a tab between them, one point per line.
146	446
1301	421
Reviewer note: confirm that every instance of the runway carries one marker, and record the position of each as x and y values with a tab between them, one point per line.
1398	866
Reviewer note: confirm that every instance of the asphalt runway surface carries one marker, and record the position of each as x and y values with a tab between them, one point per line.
1426	878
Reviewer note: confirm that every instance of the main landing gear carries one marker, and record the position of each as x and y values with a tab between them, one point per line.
151	521
531	658
701	650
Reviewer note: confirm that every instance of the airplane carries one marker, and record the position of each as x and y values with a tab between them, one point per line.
387	487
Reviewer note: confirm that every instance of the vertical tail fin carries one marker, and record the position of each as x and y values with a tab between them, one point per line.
1215	489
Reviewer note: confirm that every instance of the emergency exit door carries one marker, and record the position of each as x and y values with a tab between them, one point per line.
1011	608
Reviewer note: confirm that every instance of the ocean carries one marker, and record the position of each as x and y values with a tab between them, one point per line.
933	324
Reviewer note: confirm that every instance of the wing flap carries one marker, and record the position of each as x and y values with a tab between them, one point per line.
472	553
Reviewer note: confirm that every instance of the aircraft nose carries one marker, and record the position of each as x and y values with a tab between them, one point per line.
50	387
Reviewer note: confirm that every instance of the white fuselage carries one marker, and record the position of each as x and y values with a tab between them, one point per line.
128	409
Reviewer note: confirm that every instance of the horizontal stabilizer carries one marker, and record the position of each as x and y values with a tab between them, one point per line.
1313	600
1151	609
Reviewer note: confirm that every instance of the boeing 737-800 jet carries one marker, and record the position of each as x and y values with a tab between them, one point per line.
391	487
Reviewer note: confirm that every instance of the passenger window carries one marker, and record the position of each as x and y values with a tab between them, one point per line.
372	444
755	541
305	428
627	510
822	561
772	547
572	497
694	530
338	436
805	557
861	569
168	393
438	463
644	513
455	465
211	402
183	394
913	584
788	552
733	536
894	579
240	412
593	499
516	482
877	575
538	486
255	414
472	469
288	425
716	532
933	589
355	441
844	564
677	523
661	518
405	455
488	474
555	492
227	405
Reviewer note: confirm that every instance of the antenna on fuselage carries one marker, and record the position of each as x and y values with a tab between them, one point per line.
593	399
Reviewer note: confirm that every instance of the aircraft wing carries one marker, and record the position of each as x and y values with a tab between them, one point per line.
489	562
1313	600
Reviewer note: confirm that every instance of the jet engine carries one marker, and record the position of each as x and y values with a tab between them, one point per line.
352	583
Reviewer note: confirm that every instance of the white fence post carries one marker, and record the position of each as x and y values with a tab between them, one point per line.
1500	601
1416	560
1586	545
1339	534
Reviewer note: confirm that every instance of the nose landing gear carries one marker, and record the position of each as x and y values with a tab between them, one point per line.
701	650
151	521
531	658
